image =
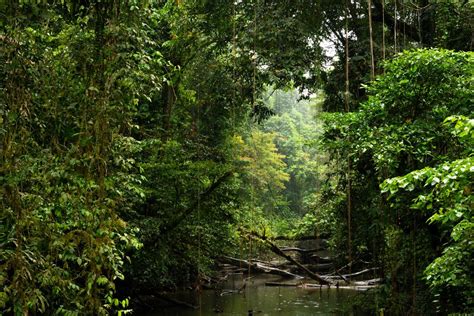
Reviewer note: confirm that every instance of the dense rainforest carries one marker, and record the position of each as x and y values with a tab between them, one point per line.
142	141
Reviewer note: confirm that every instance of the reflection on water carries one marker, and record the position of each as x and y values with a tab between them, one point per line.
262	300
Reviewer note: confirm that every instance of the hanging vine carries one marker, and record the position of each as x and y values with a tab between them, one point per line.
371	40
349	163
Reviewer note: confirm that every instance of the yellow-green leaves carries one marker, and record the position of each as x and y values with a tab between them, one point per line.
263	165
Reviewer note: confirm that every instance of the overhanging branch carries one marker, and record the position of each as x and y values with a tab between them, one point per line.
185	213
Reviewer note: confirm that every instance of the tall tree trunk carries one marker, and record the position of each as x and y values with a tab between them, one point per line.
349	167
371	39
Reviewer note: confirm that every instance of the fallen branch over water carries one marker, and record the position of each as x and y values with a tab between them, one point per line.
321	267
297	237
343	277
192	208
320	259
259	267
368	282
301	249
352	274
274	248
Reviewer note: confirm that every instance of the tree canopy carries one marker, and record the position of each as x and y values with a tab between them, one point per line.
143	140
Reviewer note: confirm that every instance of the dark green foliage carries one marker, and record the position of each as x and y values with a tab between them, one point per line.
444	192
129	144
67	102
399	129
296	130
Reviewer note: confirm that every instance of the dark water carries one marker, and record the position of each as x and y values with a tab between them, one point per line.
263	300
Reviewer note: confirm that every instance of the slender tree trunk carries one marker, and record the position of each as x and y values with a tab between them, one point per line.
349	166
371	39
383	31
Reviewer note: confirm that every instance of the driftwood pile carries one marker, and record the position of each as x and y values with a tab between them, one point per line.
299	265
320	268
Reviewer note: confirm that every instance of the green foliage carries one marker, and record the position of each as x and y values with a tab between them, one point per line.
67	168
296	128
181	226
399	132
263	162
444	192
453	33
261	179
125	131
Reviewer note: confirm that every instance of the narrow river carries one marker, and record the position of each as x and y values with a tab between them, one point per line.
258	299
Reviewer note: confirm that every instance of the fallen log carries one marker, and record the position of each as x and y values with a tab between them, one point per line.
320	259
314	267
360	272
343	277
352	274
259	267
311	285
365	287
301	249
347	265
231	269
368	282
274	248
299	237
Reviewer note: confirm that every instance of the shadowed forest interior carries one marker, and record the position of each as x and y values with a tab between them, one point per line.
151	148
